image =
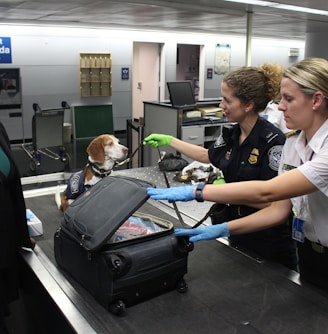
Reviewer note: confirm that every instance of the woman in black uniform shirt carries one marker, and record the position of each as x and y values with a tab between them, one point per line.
248	150
13	227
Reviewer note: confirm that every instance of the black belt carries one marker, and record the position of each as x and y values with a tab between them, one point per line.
316	247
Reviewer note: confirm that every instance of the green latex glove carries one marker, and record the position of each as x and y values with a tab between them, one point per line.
219	180
157	140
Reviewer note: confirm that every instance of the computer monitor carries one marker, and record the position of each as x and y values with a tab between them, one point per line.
10	89
181	94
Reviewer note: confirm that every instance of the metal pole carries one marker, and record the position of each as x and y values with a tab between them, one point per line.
248	60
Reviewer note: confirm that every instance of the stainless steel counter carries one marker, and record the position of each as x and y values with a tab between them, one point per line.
228	291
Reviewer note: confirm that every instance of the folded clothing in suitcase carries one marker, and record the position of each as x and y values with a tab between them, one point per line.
116	249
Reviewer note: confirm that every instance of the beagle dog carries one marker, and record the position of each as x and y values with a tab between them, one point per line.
103	152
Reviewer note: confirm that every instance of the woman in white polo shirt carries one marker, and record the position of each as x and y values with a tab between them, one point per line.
275	116
302	182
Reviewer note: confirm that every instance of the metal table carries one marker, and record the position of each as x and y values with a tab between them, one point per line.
229	292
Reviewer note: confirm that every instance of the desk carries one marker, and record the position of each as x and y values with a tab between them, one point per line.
160	117
229	293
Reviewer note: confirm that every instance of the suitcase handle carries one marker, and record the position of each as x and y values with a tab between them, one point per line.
183	245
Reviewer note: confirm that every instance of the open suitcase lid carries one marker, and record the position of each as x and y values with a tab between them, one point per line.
97	213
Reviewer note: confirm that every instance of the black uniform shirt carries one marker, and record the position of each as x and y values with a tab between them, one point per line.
257	158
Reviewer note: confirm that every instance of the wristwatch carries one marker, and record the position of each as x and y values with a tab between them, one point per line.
199	192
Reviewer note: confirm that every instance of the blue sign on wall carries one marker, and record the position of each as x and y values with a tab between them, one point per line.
125	73
210	73
5	50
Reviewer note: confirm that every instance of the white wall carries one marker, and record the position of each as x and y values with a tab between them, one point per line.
48	58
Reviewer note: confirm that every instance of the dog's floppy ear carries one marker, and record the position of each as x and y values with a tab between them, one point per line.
96	149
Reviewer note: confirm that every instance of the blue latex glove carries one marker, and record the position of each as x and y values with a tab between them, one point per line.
182	193
204	232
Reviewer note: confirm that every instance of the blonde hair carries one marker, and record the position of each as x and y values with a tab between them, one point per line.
259	85
311	74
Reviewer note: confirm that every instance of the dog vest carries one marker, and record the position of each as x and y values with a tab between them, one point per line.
75	185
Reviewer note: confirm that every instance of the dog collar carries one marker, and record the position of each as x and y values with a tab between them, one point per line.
100	172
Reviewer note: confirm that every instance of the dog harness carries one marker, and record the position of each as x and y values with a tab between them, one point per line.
75	185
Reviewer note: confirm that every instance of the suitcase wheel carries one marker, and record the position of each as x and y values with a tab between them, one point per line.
182	286
117	308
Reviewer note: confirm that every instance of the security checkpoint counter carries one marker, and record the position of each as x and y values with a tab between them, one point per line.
229	291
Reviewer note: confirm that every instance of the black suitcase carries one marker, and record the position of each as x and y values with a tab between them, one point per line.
115	249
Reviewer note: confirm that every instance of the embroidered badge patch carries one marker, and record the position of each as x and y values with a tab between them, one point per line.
74	183
228	154
274	157
252	159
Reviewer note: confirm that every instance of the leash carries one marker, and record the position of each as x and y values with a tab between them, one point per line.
207	215
164	174
183	241
168	186
127	160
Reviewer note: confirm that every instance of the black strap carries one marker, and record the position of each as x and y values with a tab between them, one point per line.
130	157
208	214
211	210
168	186
136	150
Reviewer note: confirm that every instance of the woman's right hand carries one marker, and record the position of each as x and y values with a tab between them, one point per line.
157	140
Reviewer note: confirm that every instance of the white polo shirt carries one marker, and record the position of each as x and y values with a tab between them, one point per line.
275	116
312	162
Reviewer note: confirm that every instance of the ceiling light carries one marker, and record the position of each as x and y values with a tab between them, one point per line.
282	6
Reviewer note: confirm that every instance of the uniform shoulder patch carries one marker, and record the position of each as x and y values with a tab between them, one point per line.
274	154
219	142
292	133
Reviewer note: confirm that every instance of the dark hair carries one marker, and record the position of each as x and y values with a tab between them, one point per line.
259	85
